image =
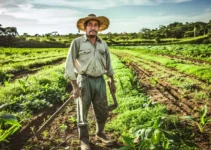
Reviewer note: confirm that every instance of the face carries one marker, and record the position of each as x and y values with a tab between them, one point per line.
92	28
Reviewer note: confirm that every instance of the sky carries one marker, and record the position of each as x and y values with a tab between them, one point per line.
46	16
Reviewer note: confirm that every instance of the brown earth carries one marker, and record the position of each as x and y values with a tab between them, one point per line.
191	60
165	93
61	134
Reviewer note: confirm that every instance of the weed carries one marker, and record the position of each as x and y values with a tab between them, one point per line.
202	121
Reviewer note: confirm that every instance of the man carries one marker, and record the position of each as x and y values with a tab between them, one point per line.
89	57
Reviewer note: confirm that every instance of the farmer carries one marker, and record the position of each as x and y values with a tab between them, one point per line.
89	57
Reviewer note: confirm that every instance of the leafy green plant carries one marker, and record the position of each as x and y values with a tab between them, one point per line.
72	119
8	126
154	80
63	127
155	136
130	145
122	86
202	121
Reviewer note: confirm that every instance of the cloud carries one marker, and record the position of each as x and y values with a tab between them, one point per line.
152	22
44	16
91	4
7	20
33	20
33	26
48	15
207	10
144	2
12	3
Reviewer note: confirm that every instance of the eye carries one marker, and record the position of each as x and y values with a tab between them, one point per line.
94	25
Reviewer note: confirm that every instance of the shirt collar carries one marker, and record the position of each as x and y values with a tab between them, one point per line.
86	39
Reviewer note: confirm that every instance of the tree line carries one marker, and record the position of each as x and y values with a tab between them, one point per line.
174	30
8	31
177	30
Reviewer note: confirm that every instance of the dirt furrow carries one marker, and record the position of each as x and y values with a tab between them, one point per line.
62	133
173	71
157	67
168	70
187	59
29	59
22	74
185	101
166	94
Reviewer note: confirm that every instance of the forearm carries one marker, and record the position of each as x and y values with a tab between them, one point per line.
74	83
111	77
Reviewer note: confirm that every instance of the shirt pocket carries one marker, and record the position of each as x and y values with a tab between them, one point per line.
103	57
84	55
102	51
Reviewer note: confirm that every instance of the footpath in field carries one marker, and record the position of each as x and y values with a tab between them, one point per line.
184	93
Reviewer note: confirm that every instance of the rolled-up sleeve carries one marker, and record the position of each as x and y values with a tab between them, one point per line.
71	57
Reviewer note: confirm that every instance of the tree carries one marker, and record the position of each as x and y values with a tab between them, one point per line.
2	31
25	34
54	33
109	36
134	35
146	33
209	27
11	31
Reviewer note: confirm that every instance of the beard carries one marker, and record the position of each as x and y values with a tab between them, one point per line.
91	35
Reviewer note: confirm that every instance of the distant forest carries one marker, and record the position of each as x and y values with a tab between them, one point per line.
173	30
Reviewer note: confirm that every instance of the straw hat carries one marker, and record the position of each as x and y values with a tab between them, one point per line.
104	22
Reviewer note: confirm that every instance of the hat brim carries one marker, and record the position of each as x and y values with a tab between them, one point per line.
104	22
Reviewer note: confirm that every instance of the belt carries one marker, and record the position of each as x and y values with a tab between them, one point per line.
86	75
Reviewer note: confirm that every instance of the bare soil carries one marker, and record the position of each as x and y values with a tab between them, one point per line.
170	95
61	134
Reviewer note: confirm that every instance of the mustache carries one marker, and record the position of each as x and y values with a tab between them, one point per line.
93	30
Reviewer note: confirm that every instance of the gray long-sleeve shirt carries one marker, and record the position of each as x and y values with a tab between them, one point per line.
85	58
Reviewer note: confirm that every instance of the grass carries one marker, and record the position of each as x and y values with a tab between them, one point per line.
183	83
186	51
201	72
137	112
35	92
188	87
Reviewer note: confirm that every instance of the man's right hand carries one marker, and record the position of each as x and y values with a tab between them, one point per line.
76	90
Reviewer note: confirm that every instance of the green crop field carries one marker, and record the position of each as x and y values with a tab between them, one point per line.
164	95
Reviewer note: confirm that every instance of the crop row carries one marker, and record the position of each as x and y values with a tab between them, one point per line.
188	86
199	71
31	54
187	51
32	93
8	71
28	51
144	124
17	59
